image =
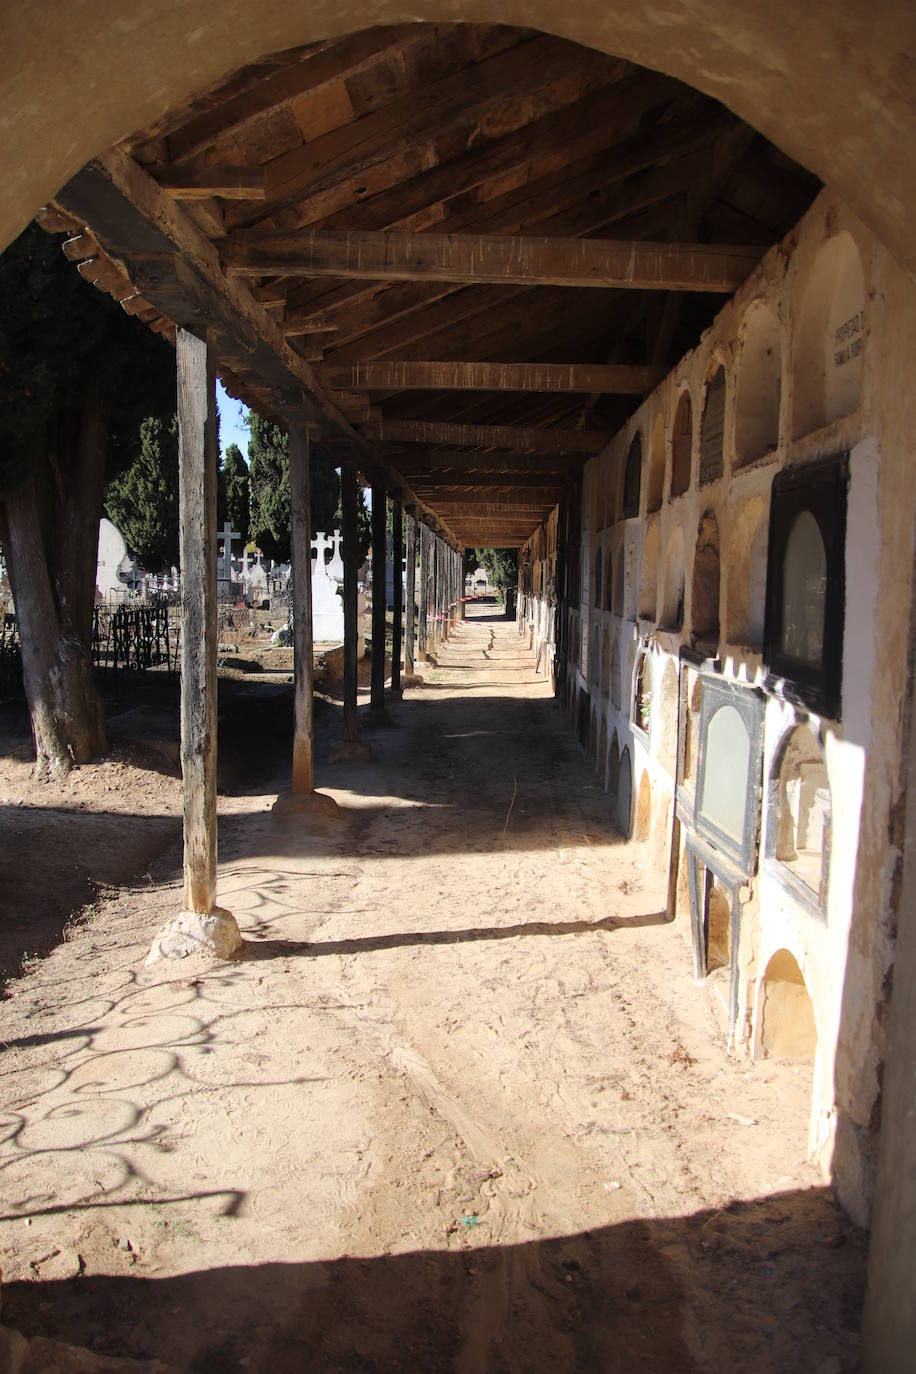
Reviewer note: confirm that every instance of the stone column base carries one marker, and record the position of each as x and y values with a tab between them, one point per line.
315	806
193	932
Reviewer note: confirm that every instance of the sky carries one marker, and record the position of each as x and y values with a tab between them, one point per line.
232	429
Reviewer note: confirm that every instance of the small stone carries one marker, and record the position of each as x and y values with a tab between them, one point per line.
124	1244
194	933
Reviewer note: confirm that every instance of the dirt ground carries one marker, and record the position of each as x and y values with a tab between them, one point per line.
458	1106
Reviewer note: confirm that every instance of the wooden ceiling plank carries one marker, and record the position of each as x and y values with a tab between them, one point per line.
199	183
489	436
628	264
475	376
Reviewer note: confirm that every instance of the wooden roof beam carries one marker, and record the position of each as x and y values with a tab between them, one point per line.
514	438
199	183
501	260
393	375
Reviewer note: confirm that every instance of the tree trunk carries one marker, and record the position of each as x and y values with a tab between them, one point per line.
68	719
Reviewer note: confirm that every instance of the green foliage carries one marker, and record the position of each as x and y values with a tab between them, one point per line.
143	500
500	565
268	454
235	490
63	343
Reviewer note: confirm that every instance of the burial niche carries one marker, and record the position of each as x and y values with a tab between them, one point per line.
625	795
641	713
673	598
799	819
726	808
830	338
704	599
712	429
681	445
632	479
759	386
746	582
648	586
806	586
655	478
786	1015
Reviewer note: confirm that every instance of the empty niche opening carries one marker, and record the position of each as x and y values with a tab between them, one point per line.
655	477
599	561
648	587
681	445
641	714
618	583
718	928
629	588
787	1026
829	344
613	770
601	756
625	795
606	664
667	718
609	582
747	575
632	479
673	598
800	816
712	429
615	674
704	598
643	826
759	386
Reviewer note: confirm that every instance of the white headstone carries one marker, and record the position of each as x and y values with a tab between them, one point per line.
327	606
112	564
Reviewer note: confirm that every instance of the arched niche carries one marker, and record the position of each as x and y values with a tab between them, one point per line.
618	582
615	674
641	704
724	780
632	479
606	663
596	591
643	827
648	582
613	769
625	795
672	616
746	581
787	1028
759	385
667	718
800	808
682	445
655	475
629	586
829	338
704	597
712	428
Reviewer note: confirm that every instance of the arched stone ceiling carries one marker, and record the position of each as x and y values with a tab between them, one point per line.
831	83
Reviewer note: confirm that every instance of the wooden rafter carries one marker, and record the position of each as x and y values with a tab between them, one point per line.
466	376
517	438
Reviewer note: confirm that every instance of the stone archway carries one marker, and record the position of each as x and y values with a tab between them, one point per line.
748	59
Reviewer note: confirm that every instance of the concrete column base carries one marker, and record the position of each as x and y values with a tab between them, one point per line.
357	752
411	680
193	932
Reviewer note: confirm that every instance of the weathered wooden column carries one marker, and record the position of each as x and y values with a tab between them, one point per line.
423	599
397	558
379	533
436	571
410	594
201	926
462	574
303	799
352	747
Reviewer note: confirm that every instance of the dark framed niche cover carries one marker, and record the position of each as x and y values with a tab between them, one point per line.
730	770
806	584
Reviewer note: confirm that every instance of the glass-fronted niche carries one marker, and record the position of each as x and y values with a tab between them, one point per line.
806	584
729	768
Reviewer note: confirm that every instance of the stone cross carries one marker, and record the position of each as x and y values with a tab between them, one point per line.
227	534
319	544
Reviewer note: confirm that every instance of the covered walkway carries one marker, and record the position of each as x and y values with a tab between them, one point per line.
456	1107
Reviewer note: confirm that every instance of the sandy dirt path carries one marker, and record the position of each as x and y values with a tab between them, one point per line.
459	1106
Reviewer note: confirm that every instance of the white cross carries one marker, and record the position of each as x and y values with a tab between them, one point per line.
227	534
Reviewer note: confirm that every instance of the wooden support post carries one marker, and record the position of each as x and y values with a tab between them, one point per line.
303	800
437	590
351	627
202	926
462	593
397	558
377	677
423	600
410	594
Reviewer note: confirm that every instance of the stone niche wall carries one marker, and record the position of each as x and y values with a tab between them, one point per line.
812	357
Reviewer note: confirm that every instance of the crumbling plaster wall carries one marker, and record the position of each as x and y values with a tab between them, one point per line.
845	951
